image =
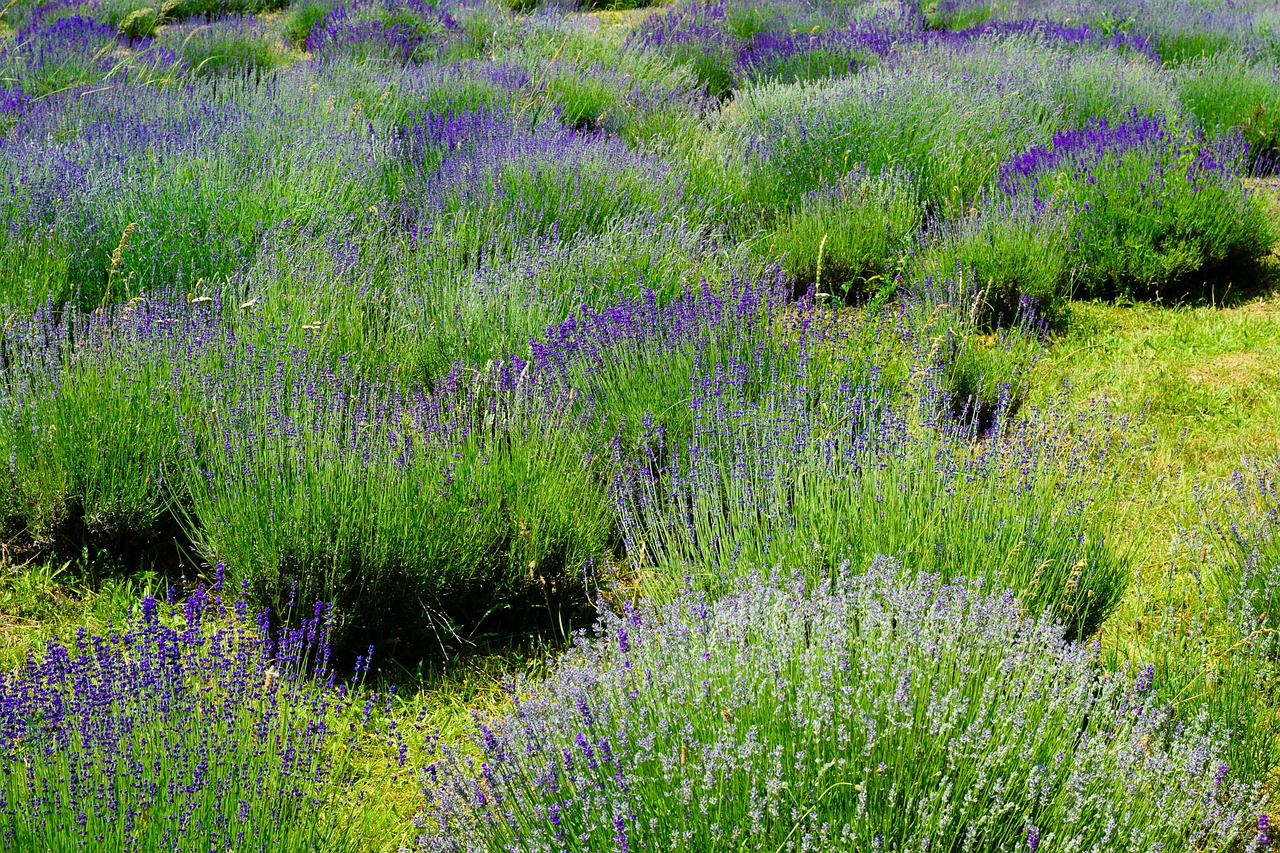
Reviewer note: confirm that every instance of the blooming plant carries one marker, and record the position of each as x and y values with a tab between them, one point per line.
1148	202
189	728
869	714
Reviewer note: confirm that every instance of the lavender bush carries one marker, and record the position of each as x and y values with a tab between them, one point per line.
1110	178
485	176
403	31
848	458
226	45
186	728
72	173
1229	93
868	714
1243	522
476	492
849	238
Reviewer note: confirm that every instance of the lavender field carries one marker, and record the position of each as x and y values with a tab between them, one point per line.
752	425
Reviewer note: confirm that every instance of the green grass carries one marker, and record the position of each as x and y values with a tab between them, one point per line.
1208	380
42	600
1204	376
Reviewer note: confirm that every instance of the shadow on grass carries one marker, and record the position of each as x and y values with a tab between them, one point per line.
1226	286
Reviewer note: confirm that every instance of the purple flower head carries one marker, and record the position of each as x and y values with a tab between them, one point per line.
1098	139
492	746
13	101
620	835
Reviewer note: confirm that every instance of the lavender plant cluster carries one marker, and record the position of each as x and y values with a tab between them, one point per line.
844	460
532	182
295	466
72	173
13	101
871	714
1108	179
757	42
1171	30
66	51
1243	523
405	31
190	726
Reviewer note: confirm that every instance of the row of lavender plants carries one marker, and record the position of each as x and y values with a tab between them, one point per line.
881	710
944	150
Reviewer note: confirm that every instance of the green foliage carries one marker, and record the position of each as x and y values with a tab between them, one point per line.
1187	45
136	18
1006	254
302	19
34	271
765	486
583	101
199	218
462	527
948	136
211	50
941	15
1229	93
563	188
88	458
143	21
844	240
1143	231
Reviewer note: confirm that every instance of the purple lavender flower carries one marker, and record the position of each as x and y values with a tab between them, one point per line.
160	735
13	101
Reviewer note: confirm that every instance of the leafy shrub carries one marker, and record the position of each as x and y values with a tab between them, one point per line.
867	714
